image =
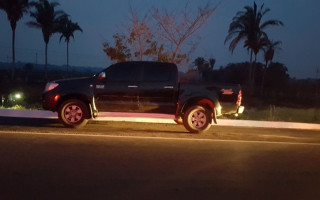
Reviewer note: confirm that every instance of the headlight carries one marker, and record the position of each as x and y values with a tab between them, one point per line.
50	86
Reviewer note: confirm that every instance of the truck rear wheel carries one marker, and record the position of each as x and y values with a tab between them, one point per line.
197	119
73	113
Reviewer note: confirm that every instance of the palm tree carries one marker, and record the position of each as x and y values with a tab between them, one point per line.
269	50
67	28
47	19
199	63
247	26
15	10
212	62
271	47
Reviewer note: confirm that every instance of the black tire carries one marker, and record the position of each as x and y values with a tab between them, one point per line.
73	113
197	119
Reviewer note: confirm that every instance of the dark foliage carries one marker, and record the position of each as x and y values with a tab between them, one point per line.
279	90
29	79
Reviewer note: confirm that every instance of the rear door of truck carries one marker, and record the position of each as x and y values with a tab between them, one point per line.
158	88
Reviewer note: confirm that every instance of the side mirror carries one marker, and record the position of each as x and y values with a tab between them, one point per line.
102	76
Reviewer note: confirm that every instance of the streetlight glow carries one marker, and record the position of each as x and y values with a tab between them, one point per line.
17	96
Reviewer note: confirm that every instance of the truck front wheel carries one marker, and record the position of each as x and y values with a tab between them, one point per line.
73	113
197	119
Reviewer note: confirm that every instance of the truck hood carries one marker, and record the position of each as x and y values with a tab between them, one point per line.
69	80
74	85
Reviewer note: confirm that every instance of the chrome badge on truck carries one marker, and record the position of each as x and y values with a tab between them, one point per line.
227	91
100	86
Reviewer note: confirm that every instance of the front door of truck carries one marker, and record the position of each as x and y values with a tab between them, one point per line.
118	89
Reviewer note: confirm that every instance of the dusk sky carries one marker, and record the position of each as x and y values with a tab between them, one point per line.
100	19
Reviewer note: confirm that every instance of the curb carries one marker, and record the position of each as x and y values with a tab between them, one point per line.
159	118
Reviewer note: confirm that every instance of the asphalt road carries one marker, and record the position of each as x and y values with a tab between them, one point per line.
39	159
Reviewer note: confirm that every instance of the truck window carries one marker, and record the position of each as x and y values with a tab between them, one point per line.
156	73
121	72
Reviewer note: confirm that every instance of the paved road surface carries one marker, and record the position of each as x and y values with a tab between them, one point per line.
42	160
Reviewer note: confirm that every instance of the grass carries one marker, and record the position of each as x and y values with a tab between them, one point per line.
35	106
273	113
15	107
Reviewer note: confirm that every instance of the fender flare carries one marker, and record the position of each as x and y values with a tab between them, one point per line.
199	101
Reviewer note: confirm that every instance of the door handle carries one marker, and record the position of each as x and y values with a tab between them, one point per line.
168	87
132	86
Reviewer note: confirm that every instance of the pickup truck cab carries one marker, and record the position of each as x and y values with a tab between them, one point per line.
141	86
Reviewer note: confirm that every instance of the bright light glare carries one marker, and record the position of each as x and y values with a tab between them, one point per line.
17	96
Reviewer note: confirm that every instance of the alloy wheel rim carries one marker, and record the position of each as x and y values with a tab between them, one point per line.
198	119
73	113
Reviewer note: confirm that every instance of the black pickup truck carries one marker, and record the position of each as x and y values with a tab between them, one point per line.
141	87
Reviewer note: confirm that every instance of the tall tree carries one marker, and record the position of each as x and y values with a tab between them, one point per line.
176	29
47	18
15	10
199	63
120	51
67	28
269	51
203	66
212	62
137	42
162	41
141	37
247	26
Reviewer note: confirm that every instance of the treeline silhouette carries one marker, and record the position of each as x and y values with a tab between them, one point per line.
278	88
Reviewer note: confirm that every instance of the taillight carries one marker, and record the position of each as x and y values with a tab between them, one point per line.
239	98
56	98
